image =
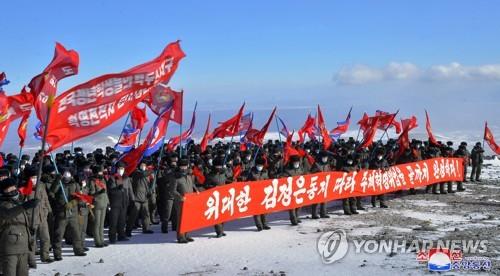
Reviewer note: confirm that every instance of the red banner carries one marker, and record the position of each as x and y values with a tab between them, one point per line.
89	107
242	199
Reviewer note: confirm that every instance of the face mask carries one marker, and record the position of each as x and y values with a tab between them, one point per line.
324	159
33	180
210	162
259	168
70	161
100	173
380	157
121	172
84	184
143	168
308	150
67	175
349	162
296	165
248	158
22	167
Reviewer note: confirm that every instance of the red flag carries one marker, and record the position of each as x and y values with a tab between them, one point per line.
28	189
162	98
371	127
307	128
206	137
309	158
289	150
387	120
17	106
488	137
21	130
327	140
138	117
174	141
257	136
84	198
404	139
89	107
230	127
43	87
199	175
432	140
237	171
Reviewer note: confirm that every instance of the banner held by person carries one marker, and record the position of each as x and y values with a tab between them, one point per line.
243	199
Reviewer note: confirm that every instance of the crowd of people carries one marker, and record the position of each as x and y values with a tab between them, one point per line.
37	216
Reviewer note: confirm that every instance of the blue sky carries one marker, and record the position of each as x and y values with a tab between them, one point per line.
439	55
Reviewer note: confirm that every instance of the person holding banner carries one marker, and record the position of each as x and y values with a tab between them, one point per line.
259	173
216	178
379	163
349	204
294	168
322	165
182	185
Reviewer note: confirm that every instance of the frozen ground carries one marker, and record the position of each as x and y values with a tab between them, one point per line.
287	250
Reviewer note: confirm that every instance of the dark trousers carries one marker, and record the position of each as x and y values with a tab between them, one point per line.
139	210
117	222
476	172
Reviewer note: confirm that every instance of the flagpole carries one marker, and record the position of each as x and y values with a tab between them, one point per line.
484	134
279	132
19	160
139	138
388	126
71	151
121	133
180	140
42	154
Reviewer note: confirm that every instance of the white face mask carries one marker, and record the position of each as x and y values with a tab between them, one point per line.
121	172
296	165
324	159
210	162
84	183
67	175
143	168
349	162
259	168
248	158
33	180
380	157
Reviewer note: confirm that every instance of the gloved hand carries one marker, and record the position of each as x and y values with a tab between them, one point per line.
30	204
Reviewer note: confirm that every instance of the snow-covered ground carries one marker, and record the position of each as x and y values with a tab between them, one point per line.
288	250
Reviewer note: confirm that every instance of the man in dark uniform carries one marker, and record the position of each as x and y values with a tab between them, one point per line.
182	185
120	195
140	208
66	216
321	165
15	245
379	163
462	152
166	177
349	204
259	173
294	169
216	178
477	157
101	202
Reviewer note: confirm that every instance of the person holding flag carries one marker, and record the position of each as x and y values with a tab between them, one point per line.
477	158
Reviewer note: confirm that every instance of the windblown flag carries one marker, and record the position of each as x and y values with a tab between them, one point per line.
257	137
149	145
327	140
230	127
428	127
186	135
199	175
163	98
237	170
488	137
404	139
128	139
342	127
387	120
207	136
283	130
308	128
43	87
289	150
91	106
245	122
369	132
21	130
17	106
138	117
3	80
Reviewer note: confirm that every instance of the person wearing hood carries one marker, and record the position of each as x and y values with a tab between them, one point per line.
15	235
